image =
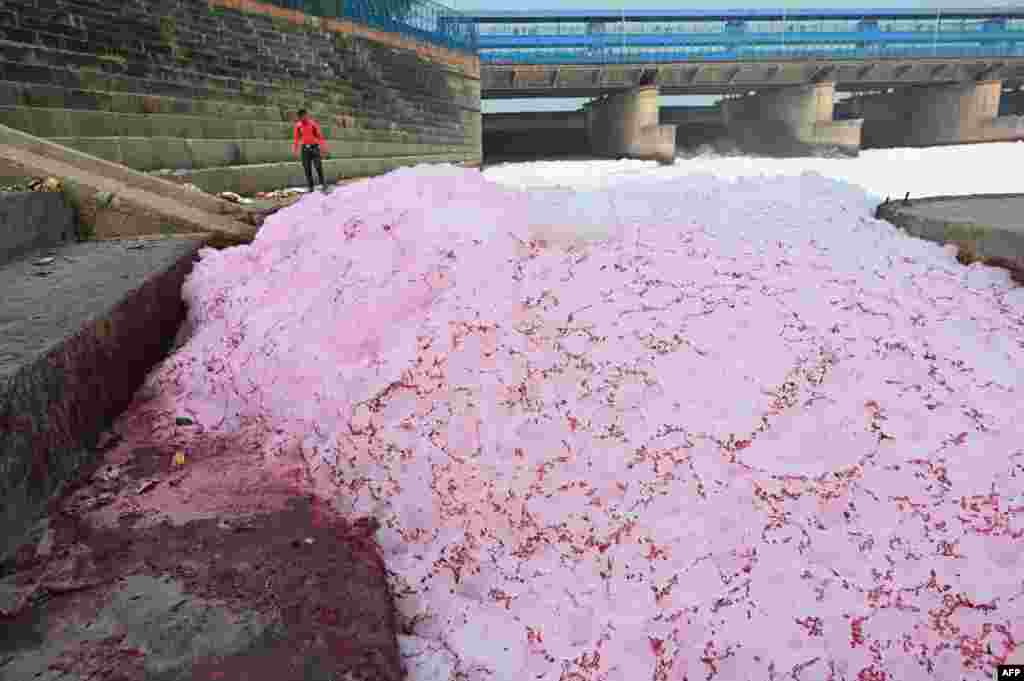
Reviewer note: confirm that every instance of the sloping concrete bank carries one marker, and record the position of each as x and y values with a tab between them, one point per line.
113	201
986	228
80	326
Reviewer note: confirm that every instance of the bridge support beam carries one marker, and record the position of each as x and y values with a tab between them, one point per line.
625	125
790	121
929	115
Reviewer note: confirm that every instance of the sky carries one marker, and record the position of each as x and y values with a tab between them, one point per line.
559	104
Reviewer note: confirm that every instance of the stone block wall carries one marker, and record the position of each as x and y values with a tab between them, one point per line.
209	88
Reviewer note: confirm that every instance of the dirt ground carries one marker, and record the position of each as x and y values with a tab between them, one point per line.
220	565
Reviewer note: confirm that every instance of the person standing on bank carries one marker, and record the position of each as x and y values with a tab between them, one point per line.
310	138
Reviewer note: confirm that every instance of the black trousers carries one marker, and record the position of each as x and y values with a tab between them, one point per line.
310	160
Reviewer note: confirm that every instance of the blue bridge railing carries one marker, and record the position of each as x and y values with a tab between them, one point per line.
651	36
420	19
642	56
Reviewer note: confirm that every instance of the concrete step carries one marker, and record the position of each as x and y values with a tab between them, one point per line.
250	179
36	95
56	97
63	123
79	336
155	153
319	103
52	96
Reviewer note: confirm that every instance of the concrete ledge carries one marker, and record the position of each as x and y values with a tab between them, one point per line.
65	123
31	220
77	344
984	226
156	153
250	179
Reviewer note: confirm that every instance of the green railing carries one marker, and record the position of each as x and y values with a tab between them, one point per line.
420	19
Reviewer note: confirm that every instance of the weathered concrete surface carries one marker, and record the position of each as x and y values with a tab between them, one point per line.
83	163
625	124
79	330
931	115
791	121
114	201
984	226
220	567
247	180
31	220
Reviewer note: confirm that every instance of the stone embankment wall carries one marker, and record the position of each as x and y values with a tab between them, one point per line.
208	88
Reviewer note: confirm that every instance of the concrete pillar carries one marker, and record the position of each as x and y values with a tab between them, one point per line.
928	115
790	121
625	124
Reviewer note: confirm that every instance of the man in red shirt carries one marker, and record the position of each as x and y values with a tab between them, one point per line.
309	137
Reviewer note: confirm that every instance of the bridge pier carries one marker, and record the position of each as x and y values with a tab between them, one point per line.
790	121
625	124
928	115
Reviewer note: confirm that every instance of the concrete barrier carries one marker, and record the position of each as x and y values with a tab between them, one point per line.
33	220
67	369
250	179
986	227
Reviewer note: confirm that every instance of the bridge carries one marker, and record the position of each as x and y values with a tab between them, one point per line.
582	53
921	76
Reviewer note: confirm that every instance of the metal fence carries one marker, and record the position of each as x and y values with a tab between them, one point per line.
614	55
420	19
